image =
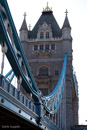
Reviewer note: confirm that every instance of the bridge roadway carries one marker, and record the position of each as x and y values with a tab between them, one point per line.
17	111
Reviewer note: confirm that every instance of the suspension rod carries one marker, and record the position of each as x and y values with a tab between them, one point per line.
12	78
6	76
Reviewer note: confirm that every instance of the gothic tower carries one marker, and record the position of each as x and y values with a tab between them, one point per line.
45	47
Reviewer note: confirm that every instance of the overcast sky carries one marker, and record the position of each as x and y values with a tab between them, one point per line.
78	20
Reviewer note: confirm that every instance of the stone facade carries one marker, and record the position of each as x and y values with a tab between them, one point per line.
45	54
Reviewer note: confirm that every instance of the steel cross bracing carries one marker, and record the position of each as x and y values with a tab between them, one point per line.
13	49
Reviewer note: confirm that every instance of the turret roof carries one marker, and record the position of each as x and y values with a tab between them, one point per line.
47	16
66	22
24	24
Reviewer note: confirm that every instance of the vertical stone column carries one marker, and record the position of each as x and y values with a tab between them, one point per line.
63	110
75	111
69	104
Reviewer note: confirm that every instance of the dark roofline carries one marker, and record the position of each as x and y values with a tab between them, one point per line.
47	12
66	23
48	17
24	25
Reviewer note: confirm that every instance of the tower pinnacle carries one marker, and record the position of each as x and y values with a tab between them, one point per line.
47	8
29	27
24	24
25	15
66	21
66	12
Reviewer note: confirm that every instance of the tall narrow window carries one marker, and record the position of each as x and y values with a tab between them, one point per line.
41	35
53	47
41	47
43	71
46	47
35	47
47	35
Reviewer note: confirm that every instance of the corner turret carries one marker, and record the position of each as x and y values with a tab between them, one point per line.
66	29
24	30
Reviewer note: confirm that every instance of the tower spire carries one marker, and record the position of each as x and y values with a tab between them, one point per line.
66	12
24	24
66	21
47	4
25	15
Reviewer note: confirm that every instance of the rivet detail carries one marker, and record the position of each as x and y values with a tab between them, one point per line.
19	111
30	118
3	100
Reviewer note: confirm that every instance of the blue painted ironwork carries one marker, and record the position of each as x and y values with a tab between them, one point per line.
53	100
13	75
17	42
6	76
14	59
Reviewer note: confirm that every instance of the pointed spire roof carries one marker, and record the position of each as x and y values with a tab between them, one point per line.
66	22
48	17
24	24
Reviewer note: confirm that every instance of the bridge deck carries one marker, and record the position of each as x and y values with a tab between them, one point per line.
15	108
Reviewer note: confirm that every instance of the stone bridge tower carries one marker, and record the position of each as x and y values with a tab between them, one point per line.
45	46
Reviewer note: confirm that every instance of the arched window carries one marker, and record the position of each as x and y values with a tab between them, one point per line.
43	71
47	35
41	35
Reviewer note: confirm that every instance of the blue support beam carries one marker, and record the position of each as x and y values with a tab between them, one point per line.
6	76
18	43
12	77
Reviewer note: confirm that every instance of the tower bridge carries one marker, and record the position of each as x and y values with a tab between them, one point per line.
46	96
